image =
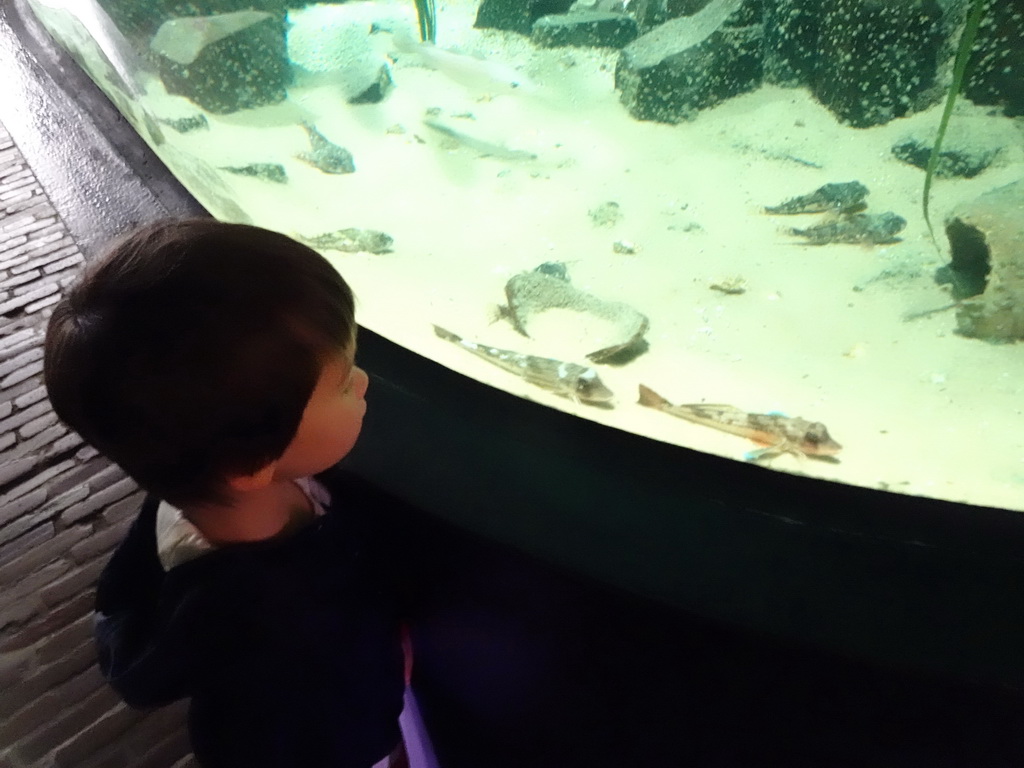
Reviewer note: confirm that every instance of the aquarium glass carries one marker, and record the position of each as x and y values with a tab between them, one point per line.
700	222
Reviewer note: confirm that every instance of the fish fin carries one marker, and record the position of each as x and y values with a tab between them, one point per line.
650	398
446	334
761	454
771	451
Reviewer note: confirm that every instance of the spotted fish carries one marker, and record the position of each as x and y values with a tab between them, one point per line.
847	197
579	383
350	240
274	172
778	433
869	228
328	157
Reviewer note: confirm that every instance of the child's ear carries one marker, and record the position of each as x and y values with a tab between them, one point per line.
259	479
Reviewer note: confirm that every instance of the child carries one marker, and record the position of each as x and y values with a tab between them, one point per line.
214	363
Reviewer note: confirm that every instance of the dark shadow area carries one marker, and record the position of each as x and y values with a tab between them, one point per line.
520	664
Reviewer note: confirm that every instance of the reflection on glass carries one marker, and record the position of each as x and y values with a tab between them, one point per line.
697	221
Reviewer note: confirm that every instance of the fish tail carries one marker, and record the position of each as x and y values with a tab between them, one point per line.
447	335
651	398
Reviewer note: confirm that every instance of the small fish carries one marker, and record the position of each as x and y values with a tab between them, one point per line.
350	240
186	124
274	172
847	197
579	383
483	147
870	228
478	75
778	433
328	157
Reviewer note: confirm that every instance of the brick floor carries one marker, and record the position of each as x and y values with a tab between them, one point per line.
61	509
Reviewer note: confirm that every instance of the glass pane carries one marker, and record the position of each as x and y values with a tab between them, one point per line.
700	222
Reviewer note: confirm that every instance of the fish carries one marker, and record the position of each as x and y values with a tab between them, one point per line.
328	157
847	197
491	78
185	124
483	147
579	383
350	240
274	172
870	228
779	434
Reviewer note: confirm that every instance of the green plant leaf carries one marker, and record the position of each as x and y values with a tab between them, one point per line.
426	15
963	55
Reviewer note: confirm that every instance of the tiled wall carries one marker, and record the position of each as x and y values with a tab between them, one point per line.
62	510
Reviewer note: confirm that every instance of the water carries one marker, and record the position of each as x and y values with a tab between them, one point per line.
538	142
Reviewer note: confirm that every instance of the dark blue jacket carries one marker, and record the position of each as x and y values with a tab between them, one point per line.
289	649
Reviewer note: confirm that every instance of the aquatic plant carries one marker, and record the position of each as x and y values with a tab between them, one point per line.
963	55
426	15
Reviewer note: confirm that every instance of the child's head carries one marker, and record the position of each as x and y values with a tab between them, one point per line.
190	351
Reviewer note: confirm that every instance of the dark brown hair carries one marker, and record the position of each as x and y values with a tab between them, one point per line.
188	352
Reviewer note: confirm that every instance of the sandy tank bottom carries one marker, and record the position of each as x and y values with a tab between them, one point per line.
819	332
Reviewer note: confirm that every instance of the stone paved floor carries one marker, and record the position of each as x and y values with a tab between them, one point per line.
62	509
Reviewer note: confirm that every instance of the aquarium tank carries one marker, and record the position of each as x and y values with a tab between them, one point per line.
780	231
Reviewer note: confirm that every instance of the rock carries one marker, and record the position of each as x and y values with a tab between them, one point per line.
553	269
996	68
986	241
877	58
791	30
651	13
332	44
585	28
224	62
606	214
140	20
517	15
688	64
601	6
182	40
961	163
531	293
377	90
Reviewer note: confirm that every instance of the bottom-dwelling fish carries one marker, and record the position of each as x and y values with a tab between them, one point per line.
870	228
326	155
579	383
778	433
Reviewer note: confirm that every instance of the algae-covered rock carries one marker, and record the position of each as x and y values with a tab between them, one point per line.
224	62
986	238
690	63
584	28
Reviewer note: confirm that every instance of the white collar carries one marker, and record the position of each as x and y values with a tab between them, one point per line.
178	540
